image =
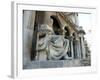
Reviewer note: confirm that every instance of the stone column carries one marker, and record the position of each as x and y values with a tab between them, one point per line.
72	53
74	47
78	49
82	45
83	48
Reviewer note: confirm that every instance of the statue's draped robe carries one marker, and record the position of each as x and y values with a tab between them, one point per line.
54	47
58	47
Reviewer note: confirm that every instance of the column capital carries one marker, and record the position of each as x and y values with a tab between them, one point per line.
71	37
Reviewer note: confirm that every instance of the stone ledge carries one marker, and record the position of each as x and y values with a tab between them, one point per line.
54	64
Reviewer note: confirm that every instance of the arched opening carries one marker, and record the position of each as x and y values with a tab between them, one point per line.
67	32
67	36
75	45
56	25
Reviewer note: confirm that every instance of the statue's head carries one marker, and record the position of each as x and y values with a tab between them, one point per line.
45	29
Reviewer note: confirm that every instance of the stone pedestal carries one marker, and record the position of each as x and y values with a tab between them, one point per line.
53	64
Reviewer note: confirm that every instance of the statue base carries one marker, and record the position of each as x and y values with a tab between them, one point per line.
56	64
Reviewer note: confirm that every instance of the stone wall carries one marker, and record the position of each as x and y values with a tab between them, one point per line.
29	17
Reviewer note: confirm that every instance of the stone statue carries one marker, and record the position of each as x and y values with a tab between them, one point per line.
51	46
42	43
58	47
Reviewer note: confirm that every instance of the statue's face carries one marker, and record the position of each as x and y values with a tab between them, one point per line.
42	35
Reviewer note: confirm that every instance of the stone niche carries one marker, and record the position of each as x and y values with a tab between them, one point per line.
52	40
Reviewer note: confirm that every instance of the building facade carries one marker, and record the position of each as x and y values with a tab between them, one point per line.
54	37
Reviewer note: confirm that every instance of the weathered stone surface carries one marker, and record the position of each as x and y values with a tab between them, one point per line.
71	63
32	65
85	63
54	64
51	64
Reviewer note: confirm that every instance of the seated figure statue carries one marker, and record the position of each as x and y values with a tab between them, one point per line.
57	47
51	46
42	42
